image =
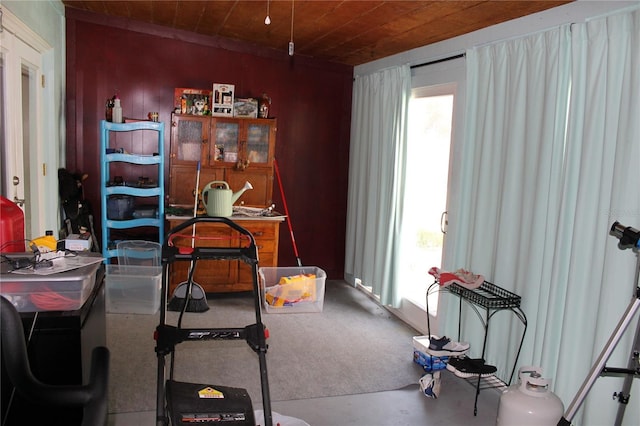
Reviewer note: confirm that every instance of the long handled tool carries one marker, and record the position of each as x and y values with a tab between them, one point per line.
629	238
190	292
286	212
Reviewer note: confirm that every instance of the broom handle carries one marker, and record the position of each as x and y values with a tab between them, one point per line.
195	207
286	212
195	213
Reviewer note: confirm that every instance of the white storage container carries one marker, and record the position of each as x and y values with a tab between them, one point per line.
133	289
292	289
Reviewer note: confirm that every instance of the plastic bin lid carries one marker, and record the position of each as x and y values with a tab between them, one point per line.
139	253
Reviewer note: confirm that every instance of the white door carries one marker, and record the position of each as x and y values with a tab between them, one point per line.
20	139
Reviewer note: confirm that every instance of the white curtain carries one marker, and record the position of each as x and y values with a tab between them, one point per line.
592	277
513	153
376	179
552	139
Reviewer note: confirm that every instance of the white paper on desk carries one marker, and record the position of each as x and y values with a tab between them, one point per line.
61	264
255	212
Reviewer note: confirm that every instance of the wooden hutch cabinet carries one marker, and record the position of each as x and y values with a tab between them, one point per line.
234	150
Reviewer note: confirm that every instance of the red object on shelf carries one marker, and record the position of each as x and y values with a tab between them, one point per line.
11	227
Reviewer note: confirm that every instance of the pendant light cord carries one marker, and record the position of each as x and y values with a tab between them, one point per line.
291	46
292	11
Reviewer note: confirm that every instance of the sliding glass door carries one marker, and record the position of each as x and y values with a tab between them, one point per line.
435	120
424	207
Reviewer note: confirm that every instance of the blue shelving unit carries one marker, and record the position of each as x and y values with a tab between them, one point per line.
107	189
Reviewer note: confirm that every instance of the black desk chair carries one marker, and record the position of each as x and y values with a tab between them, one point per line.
92	396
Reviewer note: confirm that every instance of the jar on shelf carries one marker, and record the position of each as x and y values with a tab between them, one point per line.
265	104
108	114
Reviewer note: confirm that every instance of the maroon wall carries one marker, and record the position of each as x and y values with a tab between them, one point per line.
310	99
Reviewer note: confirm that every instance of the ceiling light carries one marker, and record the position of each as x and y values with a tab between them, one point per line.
267	20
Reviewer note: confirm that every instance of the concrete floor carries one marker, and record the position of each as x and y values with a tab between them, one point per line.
402	407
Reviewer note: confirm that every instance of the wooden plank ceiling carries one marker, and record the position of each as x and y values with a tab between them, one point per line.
350	32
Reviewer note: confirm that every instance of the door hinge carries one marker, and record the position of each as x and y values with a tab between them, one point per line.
44	169
43	81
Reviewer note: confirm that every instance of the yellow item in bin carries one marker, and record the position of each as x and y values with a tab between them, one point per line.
293	278
45	243
274	300
291	290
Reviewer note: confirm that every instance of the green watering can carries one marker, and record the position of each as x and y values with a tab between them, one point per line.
218	198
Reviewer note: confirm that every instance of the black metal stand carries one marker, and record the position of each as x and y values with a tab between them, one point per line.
628	238
485	301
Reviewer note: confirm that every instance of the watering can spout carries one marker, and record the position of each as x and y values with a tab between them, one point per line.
237	195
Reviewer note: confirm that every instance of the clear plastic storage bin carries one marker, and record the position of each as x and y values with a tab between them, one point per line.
133	289
292	289
63	291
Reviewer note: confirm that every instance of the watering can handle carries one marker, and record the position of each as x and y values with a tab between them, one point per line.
215	182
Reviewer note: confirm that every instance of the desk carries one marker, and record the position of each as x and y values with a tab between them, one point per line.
59	353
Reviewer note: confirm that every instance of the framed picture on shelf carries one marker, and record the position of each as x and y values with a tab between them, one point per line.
223	100
245	107
192	101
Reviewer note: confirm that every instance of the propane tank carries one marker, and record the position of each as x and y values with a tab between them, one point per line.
529	402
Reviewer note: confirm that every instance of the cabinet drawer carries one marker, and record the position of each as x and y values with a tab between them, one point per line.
262	232
265	246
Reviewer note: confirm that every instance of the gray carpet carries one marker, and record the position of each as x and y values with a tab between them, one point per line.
353	346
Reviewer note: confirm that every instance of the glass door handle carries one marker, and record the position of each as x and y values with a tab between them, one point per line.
444	222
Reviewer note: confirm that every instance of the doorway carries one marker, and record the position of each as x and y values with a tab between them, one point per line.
21	136
440	85
424	207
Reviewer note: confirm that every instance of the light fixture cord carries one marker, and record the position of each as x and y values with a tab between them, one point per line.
291	47
292	9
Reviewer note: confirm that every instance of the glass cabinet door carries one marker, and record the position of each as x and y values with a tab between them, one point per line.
257	147
226	144
189	136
